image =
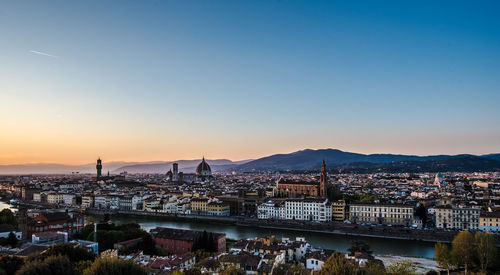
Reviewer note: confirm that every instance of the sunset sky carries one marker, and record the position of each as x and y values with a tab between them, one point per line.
167	80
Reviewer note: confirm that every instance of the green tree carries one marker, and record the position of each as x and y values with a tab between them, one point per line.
443	256
486	248
232	270
12	240
10	264
82	265
193	271
53	265
6	216
463	249
359	246
339	265
373	268
402	268
114	266
74	254
421	212
106	238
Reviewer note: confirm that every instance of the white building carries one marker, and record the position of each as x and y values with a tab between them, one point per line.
137	202
54	198
37	197
309	209
316	259
68	199
466	217
398	214
271	210
458	217
100	202
87	201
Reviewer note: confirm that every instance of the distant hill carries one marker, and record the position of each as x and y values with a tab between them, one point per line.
335	159
454	164
492	156
307	159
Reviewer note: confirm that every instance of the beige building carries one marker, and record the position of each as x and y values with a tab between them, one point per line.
339	211
444	217
199	205
489	221
397	214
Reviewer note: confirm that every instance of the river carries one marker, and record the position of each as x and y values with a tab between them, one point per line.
330	241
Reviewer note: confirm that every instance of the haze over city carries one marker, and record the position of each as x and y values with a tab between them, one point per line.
167	80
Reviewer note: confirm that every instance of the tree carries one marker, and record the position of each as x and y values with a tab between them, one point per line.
463	249
443	256
74	254
10	264
374	267
339	265
193	271
53	265
421	212
359	246
402	268
106	238
485	248
232	270
114	266
82	265
12	239
6	216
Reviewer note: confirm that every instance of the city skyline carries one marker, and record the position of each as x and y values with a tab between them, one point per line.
173	80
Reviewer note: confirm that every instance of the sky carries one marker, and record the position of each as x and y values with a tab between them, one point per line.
166	80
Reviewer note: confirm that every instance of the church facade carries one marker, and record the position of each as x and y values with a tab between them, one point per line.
294	189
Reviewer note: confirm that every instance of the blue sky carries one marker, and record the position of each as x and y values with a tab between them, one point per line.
152	80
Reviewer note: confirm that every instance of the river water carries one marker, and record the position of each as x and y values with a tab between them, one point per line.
324	240
329	241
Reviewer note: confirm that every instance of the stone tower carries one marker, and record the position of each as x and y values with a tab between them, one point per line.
99	168
323	180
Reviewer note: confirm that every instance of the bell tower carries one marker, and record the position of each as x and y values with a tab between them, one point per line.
323	180
99	168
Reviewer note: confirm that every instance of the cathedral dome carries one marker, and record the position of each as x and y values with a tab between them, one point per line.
203	169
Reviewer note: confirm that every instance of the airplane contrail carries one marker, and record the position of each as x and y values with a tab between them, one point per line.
42	53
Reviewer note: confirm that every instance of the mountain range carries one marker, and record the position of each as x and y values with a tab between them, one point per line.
307	159
354	162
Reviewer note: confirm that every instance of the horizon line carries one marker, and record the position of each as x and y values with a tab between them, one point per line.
249	159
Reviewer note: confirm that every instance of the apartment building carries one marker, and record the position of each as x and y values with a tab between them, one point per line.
457	217
218	209
339	210
397	214
309	209
466	217
489	221
444	216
